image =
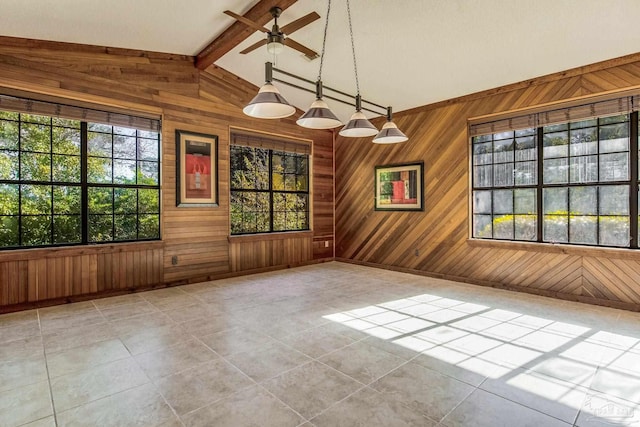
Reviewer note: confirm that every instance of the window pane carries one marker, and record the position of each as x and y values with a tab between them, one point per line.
36	230
124	147
584	169
502	201
8	135
482	202
583	142
148	149
583	229
614	167
503	151
555	228
148	226
614	200
482	154
148	173
67	200
126	227
100	228
614	231
9	231
482	176
148	201
554	201
526	148
124	171
100	144
66	140
614	138
525	201
66	168
99	170
36	199
503	175
526	173
503	227
482	226
555	145
583	200
34	137
526	227
125	200
100	200
67	229
35	167
9	199
9	165
555	171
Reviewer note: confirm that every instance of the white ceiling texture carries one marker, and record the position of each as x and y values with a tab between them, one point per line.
409	52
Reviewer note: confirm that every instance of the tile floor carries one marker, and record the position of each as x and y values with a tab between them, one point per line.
324	345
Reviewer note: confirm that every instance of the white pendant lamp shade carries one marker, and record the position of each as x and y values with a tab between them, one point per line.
269	104
358	126
390	134
275	47
319	116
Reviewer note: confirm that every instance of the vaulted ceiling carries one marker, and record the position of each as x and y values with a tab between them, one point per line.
409	52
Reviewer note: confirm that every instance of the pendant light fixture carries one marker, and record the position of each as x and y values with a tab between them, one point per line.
269	103
319	116
389	134
358	125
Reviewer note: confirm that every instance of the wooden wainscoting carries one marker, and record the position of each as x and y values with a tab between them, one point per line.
254	252
28	276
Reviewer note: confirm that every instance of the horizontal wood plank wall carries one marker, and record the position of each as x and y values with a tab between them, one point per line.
210	102
436	241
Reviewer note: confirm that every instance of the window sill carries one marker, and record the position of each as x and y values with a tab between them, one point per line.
62	251
577	250
270	236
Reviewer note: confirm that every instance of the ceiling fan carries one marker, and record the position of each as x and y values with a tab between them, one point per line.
279	37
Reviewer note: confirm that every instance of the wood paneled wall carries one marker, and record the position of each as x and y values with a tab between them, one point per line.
169	85
249	253
436	242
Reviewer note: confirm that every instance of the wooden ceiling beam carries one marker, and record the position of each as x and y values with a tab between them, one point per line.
238	32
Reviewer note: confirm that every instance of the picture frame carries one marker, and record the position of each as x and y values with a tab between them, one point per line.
196	169
399	187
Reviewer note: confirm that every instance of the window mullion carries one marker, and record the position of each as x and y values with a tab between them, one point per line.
539	192
633	179
84	197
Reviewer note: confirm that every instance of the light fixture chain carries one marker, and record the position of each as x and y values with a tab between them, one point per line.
324	39
353	50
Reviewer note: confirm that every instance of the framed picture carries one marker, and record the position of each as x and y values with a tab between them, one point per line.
196	169
399	187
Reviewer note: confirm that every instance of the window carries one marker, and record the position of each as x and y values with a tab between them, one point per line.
269	186
561	182
65	181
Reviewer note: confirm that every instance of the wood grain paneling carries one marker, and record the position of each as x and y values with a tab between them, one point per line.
439	235
286	249
207	101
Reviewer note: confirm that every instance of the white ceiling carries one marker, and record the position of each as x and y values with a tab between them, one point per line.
410	52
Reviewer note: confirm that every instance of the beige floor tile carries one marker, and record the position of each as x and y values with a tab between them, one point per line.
103	303
25	404
211	324
82	335
141	406
23	371
150	339
14	330
362	361
85	357
318	341
618	383
21	348
49	421
602	410
124	311
191	312
170	360
369	408
82	318
251	407
424	390
267	361
138	324
194	388
311	388
236	340
79	388
483	409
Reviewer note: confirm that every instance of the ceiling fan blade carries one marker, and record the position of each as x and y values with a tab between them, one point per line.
246	21
299	23
254	46
311	54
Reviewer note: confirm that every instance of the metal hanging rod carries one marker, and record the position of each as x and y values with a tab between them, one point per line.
270	68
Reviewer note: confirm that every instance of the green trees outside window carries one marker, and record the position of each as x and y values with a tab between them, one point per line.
561	183
71	182
269	190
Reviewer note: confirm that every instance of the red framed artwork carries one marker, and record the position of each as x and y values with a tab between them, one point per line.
399	187
197	169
